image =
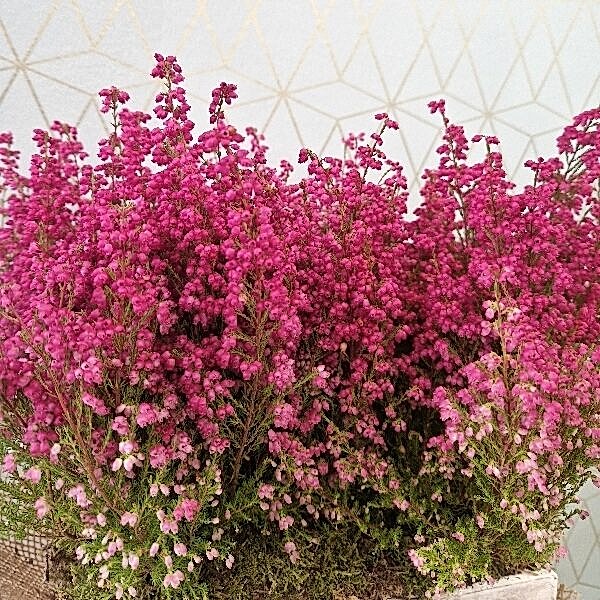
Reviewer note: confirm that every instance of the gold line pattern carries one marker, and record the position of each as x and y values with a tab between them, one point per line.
310	71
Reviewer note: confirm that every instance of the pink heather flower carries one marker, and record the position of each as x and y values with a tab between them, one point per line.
120	425
292	552
229	561
458	536
129	518
159	457
78	494
134	561
8	464
437	106
174	579
212	553
54	452
168	561
33	474
286	522
154	490
186	509
183	444
147	415
266	491
402	505
154	549
303	155
169	526
94	403
41	507
416	560
111	97
130	462
180	549
127	447
101	519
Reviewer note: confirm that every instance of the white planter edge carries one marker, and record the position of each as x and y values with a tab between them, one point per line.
541	585
538	585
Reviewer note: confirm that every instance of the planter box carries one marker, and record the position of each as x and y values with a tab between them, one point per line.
542	585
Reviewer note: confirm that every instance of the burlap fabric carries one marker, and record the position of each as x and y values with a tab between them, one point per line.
24	571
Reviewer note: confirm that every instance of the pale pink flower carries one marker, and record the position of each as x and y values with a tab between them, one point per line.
212	553
33	474
174	579
292	552
8	464
129	518
134	561
41	507
180	549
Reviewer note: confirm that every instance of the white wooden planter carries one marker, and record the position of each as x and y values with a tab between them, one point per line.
542	585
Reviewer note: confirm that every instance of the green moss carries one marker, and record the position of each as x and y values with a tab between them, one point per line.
342	564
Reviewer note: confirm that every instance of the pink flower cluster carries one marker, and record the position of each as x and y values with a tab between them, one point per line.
512	300
182	301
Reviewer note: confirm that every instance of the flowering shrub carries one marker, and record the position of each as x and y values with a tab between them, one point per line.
197	350
510	298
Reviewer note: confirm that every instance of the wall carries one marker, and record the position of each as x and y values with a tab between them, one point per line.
309	71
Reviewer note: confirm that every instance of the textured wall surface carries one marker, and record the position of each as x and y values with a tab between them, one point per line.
310	71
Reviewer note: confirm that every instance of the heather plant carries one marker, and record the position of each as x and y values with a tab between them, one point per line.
136	305
169	367
510	329
206	364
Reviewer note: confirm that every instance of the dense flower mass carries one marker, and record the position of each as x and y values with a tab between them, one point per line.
194	344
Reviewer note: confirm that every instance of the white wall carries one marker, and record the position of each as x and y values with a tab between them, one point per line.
310	70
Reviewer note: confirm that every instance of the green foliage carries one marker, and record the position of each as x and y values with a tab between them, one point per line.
335	564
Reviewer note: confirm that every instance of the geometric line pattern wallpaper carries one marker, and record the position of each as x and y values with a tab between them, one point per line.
311	71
